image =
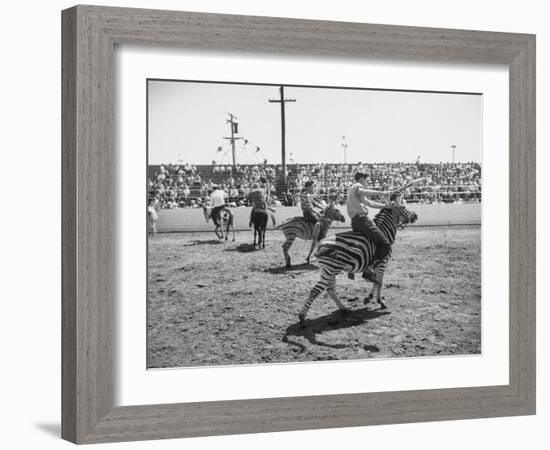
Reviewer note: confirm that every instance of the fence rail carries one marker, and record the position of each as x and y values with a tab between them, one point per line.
192	219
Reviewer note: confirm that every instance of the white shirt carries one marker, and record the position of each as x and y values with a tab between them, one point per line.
218	198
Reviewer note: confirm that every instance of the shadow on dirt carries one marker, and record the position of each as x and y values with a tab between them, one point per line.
208	242
242	248
334	321
296	268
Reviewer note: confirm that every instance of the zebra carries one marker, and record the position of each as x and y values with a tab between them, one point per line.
352	252
303	229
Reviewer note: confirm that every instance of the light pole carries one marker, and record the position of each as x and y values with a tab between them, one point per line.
345	148
453	147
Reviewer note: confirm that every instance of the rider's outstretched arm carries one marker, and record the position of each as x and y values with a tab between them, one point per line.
372	204
364	191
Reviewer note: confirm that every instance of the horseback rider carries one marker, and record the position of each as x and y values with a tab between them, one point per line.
308	202
217	200
357	206
258	199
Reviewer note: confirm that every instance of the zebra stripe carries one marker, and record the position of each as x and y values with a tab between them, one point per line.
299	227
353	252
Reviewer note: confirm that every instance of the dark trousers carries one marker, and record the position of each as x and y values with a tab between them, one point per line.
310	216
364	224
313	218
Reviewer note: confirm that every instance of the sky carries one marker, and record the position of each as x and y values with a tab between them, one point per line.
187	123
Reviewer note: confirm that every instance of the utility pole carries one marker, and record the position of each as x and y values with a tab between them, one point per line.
234	126
453	147
282	100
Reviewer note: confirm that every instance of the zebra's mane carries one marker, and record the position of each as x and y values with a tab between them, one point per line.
386	221
382	212
327	211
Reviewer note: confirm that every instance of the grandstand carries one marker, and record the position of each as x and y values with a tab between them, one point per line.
184	185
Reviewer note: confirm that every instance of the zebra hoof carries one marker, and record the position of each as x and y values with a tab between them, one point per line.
302	321
382	305
367	299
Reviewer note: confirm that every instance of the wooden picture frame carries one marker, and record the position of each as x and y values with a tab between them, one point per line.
89	37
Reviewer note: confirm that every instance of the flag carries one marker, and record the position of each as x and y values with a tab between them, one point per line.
235	127
257	149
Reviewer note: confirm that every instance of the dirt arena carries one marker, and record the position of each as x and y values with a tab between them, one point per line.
212	302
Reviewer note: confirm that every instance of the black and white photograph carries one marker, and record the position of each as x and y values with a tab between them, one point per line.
274	225
291	224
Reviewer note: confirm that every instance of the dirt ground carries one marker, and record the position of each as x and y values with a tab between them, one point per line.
213	303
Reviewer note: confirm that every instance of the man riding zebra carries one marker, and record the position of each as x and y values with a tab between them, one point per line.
311	226
369	244
358	202
308	202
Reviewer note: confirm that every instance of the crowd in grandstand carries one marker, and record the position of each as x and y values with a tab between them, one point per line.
184	185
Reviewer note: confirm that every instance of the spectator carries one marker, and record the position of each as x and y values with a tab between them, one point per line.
182	184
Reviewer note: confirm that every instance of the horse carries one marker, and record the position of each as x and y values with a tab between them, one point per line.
226	222
303	229
259	218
